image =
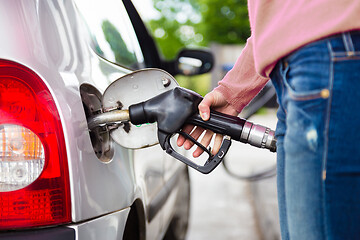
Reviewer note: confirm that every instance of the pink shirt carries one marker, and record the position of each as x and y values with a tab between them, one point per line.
279	27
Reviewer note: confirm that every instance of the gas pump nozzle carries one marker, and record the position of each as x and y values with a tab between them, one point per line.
177	107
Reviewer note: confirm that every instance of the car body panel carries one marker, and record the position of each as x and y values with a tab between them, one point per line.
110	226
50	38
57	66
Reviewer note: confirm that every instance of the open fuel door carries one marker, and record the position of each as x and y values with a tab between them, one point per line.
133	88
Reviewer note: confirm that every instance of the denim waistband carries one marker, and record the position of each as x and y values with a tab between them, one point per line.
347	43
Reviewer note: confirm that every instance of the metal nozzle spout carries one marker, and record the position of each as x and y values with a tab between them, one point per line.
259	136
106	118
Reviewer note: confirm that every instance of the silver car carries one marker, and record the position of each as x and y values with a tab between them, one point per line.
58	179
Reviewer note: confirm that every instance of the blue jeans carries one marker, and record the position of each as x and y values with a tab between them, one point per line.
318	89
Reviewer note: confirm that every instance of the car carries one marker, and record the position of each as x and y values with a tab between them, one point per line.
58	179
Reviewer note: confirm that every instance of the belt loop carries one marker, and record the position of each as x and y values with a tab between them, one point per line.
348	43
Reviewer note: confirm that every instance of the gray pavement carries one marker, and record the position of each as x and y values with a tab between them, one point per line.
223	207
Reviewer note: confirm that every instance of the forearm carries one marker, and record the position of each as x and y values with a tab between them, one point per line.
242	83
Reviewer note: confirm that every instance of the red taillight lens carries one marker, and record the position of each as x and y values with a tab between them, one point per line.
28	112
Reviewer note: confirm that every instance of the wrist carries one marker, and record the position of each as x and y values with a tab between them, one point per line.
231	98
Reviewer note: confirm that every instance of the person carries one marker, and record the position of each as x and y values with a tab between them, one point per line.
311	52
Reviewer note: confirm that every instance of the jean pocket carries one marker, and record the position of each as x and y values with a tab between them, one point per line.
307	81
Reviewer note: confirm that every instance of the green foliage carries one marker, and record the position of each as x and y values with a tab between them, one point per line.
167	37
175	28
224	21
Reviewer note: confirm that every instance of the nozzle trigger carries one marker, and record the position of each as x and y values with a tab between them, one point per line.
212	162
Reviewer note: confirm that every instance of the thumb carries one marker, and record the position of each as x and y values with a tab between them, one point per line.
204	106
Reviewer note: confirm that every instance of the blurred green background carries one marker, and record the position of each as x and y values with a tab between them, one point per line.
176	24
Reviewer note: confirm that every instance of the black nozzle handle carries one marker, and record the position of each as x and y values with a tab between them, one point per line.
169	109
220	123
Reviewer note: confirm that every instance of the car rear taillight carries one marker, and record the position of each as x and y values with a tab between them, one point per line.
34	182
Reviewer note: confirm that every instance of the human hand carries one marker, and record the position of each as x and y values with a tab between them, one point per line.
217	102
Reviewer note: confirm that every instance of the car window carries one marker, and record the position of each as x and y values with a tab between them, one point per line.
112	34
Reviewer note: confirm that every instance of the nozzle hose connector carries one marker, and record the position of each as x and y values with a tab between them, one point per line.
258	136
